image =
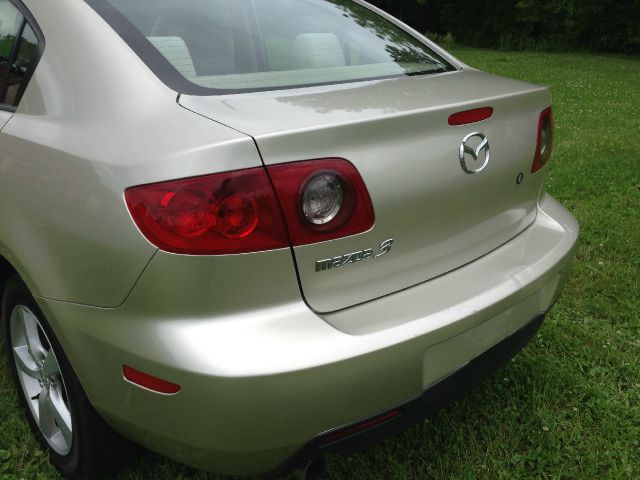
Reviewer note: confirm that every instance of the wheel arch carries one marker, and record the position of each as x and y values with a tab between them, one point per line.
7	270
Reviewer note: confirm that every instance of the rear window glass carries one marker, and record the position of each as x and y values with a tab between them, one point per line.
208	46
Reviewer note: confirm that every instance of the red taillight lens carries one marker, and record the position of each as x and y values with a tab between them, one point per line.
544	145
471	116
227	213
322	200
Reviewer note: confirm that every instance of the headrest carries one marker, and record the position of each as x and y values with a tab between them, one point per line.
317	50
175	50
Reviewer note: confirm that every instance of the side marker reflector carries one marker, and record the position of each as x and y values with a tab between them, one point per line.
149	382
360	427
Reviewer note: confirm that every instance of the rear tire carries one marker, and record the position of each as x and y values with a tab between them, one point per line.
80	444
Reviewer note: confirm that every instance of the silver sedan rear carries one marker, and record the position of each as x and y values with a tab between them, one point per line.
247	233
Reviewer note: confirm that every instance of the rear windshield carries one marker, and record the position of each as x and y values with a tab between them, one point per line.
227	46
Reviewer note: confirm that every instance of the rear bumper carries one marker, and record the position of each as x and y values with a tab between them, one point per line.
261	383
354	437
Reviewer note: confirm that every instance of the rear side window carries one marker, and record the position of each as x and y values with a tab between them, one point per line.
228	46
19	52
10	24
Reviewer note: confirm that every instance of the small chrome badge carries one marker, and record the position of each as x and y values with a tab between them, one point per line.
355	257
474	146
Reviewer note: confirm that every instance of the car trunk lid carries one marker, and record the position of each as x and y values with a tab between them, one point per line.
431	216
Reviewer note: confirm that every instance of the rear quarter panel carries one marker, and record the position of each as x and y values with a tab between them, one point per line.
94	121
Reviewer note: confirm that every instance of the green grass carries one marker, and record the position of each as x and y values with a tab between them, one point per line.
569	405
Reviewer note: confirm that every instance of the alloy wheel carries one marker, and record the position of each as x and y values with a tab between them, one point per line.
41	379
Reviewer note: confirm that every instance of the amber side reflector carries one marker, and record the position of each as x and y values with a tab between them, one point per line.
471	116
149	382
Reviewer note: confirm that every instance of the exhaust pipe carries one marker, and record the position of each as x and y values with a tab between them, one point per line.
313	470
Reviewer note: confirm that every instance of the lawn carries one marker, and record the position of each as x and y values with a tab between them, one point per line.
569	405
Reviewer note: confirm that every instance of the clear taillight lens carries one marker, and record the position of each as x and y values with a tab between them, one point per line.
227	213
544	145
322	199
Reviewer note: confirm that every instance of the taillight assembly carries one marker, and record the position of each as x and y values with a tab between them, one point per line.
322	200
239	212
226	213
544	144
